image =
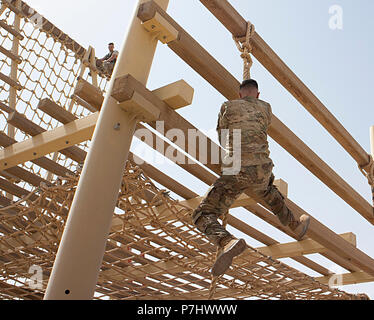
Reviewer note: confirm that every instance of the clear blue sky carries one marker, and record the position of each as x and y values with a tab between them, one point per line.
335	64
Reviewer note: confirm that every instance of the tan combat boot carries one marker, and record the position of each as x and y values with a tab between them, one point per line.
230	248
300	227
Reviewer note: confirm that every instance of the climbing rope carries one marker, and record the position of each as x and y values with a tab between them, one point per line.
369	174
246	49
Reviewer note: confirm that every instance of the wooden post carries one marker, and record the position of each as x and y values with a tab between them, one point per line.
79	257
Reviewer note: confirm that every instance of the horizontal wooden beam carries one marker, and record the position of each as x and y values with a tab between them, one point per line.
176	95
237	25
83	103
11	30
27	126
242	201
56	111
346	278
27	176
300	248
11	82
37	159
48	142
204	64
10	55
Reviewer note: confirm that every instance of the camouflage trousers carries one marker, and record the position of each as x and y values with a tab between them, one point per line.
105	67
258	179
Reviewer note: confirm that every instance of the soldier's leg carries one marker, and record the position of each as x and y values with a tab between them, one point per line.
99	65
217	202
269	193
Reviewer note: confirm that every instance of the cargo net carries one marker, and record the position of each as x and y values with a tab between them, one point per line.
153	251
51	64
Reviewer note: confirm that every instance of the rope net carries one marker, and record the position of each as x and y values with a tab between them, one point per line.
153	250
51	63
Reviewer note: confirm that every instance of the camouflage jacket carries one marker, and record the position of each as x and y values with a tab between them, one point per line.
253	117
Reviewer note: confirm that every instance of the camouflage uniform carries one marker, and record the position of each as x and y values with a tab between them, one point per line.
253	117
105	66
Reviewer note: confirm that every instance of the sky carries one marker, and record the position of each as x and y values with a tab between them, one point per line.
336	64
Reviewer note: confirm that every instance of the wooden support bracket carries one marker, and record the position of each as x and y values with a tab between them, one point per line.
176	95
161	29
132	101
282	187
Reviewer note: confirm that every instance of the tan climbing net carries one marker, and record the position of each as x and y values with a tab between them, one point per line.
153	250
49	68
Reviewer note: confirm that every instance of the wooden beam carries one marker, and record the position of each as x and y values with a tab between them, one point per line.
48	142
200	60
56	111
10	55
242	201
89	93
10	82
11	30
237	25
300	248
347	278
31	128
83	103
176	95
27	176
130	100
43	162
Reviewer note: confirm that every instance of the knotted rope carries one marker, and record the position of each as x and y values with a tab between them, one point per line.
246	49
369	174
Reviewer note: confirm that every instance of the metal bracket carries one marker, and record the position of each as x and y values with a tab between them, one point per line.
161	29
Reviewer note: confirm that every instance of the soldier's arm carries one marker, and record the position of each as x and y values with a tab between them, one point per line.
270	113
220	114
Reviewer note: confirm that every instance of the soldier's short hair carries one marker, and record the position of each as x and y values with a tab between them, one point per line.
251	83
111	44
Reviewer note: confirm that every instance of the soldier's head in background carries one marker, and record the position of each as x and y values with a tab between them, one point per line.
111	47
249	88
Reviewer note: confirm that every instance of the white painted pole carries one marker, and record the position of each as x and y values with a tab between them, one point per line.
79	257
